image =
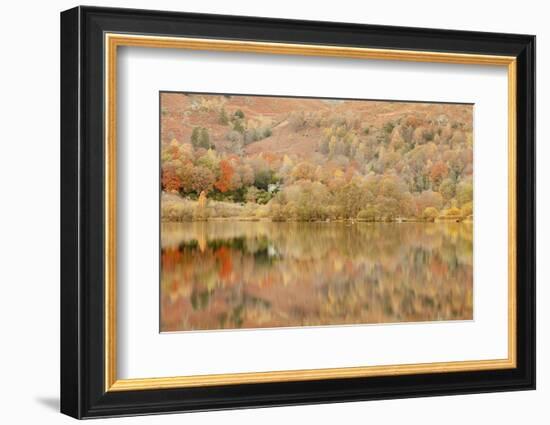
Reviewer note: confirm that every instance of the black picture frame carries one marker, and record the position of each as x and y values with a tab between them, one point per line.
83	392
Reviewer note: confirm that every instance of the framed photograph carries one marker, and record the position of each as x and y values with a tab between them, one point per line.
260	212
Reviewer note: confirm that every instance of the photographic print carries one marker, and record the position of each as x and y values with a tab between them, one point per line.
314	227
291	211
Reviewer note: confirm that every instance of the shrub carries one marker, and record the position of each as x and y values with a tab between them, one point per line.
248	210
234	136
368	214
297	120
177	211
224	209
430	214
239	114
290	210
452	212
263	197
388	127
238	126
277	212
201	213
200	138
224	119
262	211
334	212
255	134
251	194
311	212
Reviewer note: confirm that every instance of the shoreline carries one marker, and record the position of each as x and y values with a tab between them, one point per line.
174	208
343	221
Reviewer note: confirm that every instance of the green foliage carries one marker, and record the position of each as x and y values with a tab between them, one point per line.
264	178
239	114
447	189
388	127
255	134
428	135
263	197
195	136
223	118
200	138
465	192
238	126
205	139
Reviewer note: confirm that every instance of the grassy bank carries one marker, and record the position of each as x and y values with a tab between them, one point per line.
176	208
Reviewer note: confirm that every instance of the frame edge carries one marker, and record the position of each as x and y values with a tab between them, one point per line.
70	349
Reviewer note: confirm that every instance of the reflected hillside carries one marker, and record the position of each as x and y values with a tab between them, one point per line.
226	275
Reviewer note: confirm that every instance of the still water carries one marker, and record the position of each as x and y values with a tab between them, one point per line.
232	274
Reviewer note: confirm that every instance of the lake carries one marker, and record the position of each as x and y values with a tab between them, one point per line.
239	274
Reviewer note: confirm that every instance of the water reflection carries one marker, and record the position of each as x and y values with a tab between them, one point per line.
226	275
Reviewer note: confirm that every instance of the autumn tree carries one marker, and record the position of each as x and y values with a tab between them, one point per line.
464	192
185	172
438	172
170	180
203	179
303	171
430	213
223	184
447	189
427	199
351	199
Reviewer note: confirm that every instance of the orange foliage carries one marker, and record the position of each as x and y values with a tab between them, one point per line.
175	151
226	175
170	257
438	171
226	266
439	268
170	181
270	157
304	171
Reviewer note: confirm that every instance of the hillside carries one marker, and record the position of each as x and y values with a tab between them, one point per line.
257	148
